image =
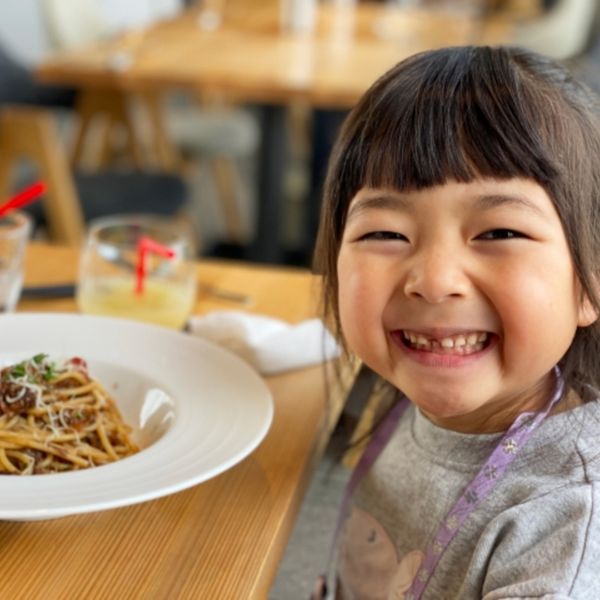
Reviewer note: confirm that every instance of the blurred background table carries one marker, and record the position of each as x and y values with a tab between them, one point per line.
247	57
221	539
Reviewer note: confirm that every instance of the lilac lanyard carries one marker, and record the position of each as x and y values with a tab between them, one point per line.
482	484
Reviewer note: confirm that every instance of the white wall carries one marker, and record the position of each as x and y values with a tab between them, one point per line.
123	14
23	29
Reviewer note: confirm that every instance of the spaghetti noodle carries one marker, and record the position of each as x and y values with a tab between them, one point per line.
56	418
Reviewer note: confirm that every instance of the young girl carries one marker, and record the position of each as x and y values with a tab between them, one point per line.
460	244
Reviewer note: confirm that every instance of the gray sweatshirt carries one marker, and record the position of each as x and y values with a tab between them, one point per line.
537	535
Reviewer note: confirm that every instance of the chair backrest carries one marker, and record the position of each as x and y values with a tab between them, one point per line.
71	24
18	86
593	43
74	24
563	32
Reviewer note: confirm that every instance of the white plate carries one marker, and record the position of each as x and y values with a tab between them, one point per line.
195	408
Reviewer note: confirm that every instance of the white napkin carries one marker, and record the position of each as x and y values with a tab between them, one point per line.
269	345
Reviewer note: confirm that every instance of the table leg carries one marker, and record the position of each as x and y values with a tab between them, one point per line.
326	124
266	246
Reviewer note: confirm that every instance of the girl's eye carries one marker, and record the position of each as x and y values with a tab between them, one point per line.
379	236
501	234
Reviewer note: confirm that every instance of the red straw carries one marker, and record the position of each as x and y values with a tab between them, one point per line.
28	195
144	246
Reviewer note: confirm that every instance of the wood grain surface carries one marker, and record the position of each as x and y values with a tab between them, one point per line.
251	58
221	539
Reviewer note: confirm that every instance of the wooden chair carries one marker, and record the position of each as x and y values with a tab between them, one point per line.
73	198
28	132
180	139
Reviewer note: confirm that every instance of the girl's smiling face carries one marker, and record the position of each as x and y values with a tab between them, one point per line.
463	296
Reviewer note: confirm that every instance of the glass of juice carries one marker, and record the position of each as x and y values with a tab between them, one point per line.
110	282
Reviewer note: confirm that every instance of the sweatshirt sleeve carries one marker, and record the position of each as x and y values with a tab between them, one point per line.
548	547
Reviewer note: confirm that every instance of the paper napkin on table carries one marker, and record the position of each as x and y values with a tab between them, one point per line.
269	345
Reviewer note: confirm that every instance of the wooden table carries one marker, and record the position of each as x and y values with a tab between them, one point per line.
221	539
250	58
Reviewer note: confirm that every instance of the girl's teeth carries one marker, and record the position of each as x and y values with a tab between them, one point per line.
460	341
460	344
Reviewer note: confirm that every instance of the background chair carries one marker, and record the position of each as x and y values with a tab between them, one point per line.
28	132
214	134
72	199
562	32
17	86
586	64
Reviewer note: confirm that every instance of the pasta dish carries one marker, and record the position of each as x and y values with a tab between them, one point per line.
55	417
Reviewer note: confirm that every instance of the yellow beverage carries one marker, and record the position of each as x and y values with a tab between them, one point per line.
166	303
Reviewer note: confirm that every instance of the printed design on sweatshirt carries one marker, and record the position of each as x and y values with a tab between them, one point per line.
368	565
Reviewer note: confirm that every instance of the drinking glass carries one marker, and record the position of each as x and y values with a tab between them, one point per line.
15	229
108	271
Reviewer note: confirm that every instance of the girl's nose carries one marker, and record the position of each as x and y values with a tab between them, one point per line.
435	275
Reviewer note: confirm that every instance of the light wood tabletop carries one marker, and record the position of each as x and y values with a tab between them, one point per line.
249	55
220	539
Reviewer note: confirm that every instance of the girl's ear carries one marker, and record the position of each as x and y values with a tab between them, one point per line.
587	313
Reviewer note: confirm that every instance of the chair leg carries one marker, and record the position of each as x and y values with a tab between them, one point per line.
5	172
166	155
111	107
82	129
226	177
31	133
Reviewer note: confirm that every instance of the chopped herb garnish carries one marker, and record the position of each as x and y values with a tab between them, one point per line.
32	369
18	371
50	372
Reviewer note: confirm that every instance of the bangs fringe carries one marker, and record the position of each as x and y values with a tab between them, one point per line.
470	119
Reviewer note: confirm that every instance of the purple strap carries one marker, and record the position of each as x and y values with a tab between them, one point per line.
483	483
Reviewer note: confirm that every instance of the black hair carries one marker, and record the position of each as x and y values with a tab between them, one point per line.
463	113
